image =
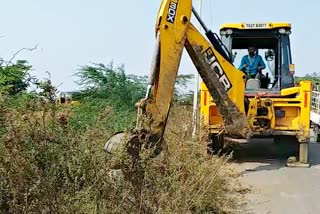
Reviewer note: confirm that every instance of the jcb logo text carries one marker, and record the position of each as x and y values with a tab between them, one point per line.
215	66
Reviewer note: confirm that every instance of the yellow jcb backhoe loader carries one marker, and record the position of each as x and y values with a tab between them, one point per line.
66	99
234	114
274	105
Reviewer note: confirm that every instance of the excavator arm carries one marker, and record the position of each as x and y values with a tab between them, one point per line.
174	32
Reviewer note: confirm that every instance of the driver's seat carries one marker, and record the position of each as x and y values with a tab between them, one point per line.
253	84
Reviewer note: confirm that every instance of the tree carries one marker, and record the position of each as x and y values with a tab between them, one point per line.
111	84
15	77
314	77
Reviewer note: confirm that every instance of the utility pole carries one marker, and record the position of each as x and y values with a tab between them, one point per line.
196	89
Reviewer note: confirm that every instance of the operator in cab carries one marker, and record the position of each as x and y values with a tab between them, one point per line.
252	64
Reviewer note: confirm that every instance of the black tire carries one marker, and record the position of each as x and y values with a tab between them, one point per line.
284	139
287	146
277	139
216	144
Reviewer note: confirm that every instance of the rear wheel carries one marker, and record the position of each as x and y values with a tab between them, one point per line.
215	144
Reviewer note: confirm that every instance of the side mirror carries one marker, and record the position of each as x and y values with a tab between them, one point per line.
292	69
269	55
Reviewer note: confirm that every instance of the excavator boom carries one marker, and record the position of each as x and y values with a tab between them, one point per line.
226	84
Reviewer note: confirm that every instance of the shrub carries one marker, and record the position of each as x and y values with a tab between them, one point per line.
52	161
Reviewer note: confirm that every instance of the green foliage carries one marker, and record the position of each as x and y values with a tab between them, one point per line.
314	77
181	96
111	84
107	87
14	78
87	114
184	79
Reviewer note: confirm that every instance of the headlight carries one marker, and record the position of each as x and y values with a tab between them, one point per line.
282	31
222	33
229	31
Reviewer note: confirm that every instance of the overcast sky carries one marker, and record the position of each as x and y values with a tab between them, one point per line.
71	33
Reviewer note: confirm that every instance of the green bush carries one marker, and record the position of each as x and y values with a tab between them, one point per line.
14	77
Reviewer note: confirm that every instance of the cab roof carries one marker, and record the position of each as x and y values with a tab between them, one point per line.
260	25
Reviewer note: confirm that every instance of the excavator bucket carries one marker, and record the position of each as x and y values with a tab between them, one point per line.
114	142
133	142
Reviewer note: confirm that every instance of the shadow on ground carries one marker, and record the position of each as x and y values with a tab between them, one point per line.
264	154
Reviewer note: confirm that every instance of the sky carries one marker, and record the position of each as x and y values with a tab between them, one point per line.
73	33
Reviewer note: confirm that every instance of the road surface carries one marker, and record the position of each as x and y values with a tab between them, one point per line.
275	188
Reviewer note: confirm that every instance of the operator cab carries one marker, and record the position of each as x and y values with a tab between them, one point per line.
272	43
67	98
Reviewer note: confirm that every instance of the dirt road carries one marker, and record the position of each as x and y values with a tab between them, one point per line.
275	188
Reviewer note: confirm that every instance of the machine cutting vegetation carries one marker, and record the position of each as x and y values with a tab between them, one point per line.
234	107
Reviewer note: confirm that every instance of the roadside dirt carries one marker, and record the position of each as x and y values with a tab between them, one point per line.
275	188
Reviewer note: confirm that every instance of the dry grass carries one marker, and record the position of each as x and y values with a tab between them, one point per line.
49	166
